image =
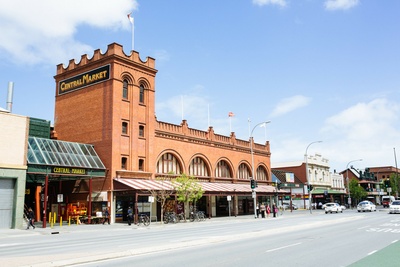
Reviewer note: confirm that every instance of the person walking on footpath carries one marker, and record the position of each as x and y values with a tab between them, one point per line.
31	218
130	215
268	211
274	210
106	216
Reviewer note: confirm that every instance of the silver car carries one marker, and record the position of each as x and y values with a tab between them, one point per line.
333	207
394	207
366	206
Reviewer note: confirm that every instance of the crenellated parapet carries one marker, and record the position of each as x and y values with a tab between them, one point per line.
183	132
114	50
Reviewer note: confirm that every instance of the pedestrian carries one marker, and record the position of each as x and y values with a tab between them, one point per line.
258	209
268	211
274	210
106	216
31	218
262	208
130	215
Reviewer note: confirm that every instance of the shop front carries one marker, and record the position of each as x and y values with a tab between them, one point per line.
59	181
218	200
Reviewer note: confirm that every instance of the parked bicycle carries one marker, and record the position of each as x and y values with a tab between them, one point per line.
143	219
197	216
180	217
170	217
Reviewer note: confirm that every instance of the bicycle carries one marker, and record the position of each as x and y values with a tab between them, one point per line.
170	217
144	219
198	216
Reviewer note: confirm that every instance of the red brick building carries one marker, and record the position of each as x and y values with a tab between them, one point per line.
109	101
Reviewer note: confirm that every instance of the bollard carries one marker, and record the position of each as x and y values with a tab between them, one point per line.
60	221
69	220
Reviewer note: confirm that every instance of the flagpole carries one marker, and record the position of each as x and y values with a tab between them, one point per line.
132	21
249	122
182	105
208	115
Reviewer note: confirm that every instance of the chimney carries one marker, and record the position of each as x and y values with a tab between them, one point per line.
10	96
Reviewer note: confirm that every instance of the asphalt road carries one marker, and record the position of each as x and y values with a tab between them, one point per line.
294	239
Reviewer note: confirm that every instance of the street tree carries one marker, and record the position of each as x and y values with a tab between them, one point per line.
357	192
163	194
188	189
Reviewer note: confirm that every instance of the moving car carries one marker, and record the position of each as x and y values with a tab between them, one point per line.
286	206
366	206
333	207
387	200
394	207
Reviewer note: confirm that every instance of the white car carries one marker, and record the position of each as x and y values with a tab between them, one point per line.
366	206
333	207
394	207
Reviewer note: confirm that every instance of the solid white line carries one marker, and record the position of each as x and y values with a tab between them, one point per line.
372	252
394	241
275	249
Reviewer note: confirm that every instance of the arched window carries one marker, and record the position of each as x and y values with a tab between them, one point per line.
223	170
141	94
125	89
168	163
261	174
198	167
243	172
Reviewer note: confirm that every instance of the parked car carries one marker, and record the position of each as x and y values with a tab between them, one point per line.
333	207
394	207
343	207
366	206
286	206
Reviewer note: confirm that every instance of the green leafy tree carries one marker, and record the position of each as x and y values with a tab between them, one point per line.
357	192
188	189
394	183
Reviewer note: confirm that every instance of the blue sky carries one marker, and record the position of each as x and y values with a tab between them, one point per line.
317	69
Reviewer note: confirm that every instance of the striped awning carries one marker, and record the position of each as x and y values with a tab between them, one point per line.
211	188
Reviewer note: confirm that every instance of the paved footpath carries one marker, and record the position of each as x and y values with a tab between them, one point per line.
65	228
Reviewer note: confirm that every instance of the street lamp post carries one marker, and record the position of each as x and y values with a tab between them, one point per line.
308	178
347	181
252	166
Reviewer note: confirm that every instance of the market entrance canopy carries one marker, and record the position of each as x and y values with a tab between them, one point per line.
65	160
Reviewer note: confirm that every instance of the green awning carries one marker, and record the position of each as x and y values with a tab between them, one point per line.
319	191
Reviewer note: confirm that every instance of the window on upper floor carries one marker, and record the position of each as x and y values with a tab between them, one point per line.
141	130
125	89
124	127
124	162
141	93
223	170
141	164
198	167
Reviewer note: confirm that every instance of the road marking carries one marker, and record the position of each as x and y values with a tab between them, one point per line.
394	241
275	249
372	252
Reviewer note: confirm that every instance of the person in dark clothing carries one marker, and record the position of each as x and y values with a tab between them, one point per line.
106	216
130	216
274	210
31	218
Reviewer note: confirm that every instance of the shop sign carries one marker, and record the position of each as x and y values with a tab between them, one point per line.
85	79
72	171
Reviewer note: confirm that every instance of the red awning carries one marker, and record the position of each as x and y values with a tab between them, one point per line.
145	184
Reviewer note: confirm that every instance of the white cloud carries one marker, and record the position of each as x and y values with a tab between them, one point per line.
340	4
365	121
281	3
43	31
365	130
287	105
